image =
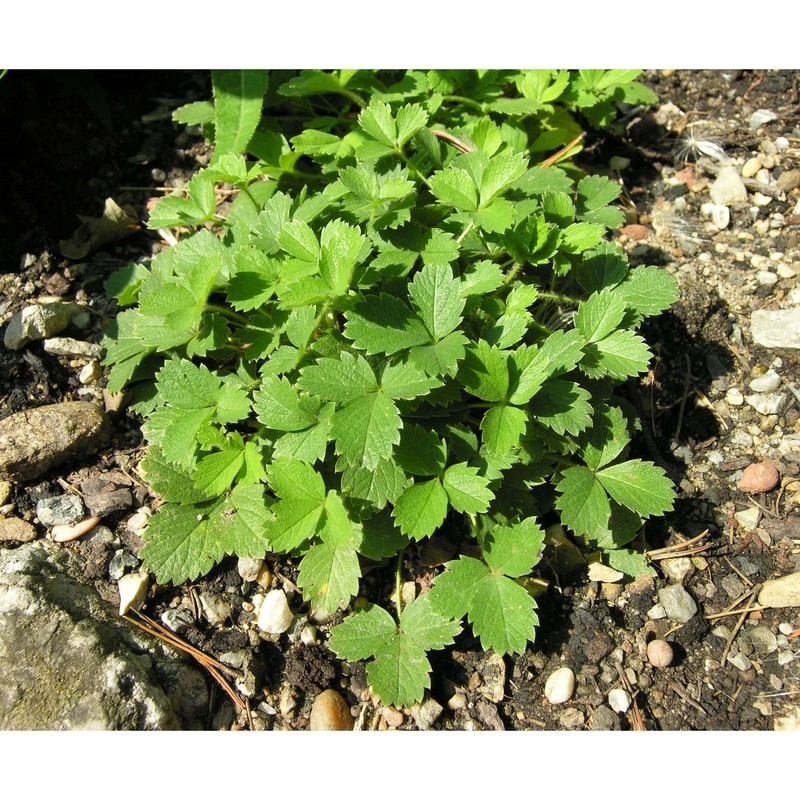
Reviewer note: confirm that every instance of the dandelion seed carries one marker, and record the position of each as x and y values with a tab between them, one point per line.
696	142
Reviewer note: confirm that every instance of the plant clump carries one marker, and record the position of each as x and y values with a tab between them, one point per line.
401	324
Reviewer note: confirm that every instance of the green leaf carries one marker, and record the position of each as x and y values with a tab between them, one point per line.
562	406
179	543
238	95
421	509
215	472
380	485
299	241
501	171
496	217
630	562
329	576
254	282
583	503
384	324
378	122
620	355
367	429
500	611
435	294
604	265
277	405
607	437
467	491
340	248
454	187
502	427
421	452
648	290
484	372
169	480
581	236
410	118
338	380
404	380
640	486
289	478
515	549
598	316
558	354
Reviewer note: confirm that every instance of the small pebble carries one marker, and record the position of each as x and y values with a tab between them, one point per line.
786	628
751	167
138	522
660	653
560	686
600	572
749	517
782	143
393	717
758	478
734	397
677	602
766	278
66	533
330	712
249	568
458	700
132	591
62	510
572	718
740	661
676	569
177	619
768	382
309	635
781	592
5	492
425	714
90	373
761	117
619	700
768	403
275	616
15	529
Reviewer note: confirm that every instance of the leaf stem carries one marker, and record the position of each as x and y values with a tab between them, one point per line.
226	312
561	298
465	232
412	168
511	275
467	101
398	574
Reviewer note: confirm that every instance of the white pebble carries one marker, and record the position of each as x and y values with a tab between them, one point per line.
275	616
766	278
138	522
768	382
600	572
90	373
787	271
309	635
751	167
560	686
734	397
781	143
132	591
721	216
619	700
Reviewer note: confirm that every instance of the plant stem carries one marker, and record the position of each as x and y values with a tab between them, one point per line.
412	168
561	298
398	601
465	232
467	101
226	312
511	275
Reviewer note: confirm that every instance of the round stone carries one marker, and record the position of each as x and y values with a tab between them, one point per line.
757	478
330	712
660	653
275	616
560	686
619	700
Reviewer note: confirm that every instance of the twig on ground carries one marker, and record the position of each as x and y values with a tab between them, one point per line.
548	162
739	572
686	381
739	623
680	550
681	692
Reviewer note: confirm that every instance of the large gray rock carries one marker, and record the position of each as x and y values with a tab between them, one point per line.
67	661
37	439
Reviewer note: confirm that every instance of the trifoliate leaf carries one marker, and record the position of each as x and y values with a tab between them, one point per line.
329	576
254	281
421	452
638	485
384	324
400	671
435	294
421	509
467	491
507	330
497	217
299	241
378	122
581	236
501	612
481	277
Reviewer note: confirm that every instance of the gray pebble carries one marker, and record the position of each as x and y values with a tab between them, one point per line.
122	562
678	603
768	382
740	661
776	327
763	639
728	189
768	403
425	714
177	619
62	510
604	719
73	348
572	718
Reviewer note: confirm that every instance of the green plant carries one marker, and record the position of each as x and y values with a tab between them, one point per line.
425	334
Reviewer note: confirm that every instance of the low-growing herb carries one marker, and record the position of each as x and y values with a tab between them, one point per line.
401	325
